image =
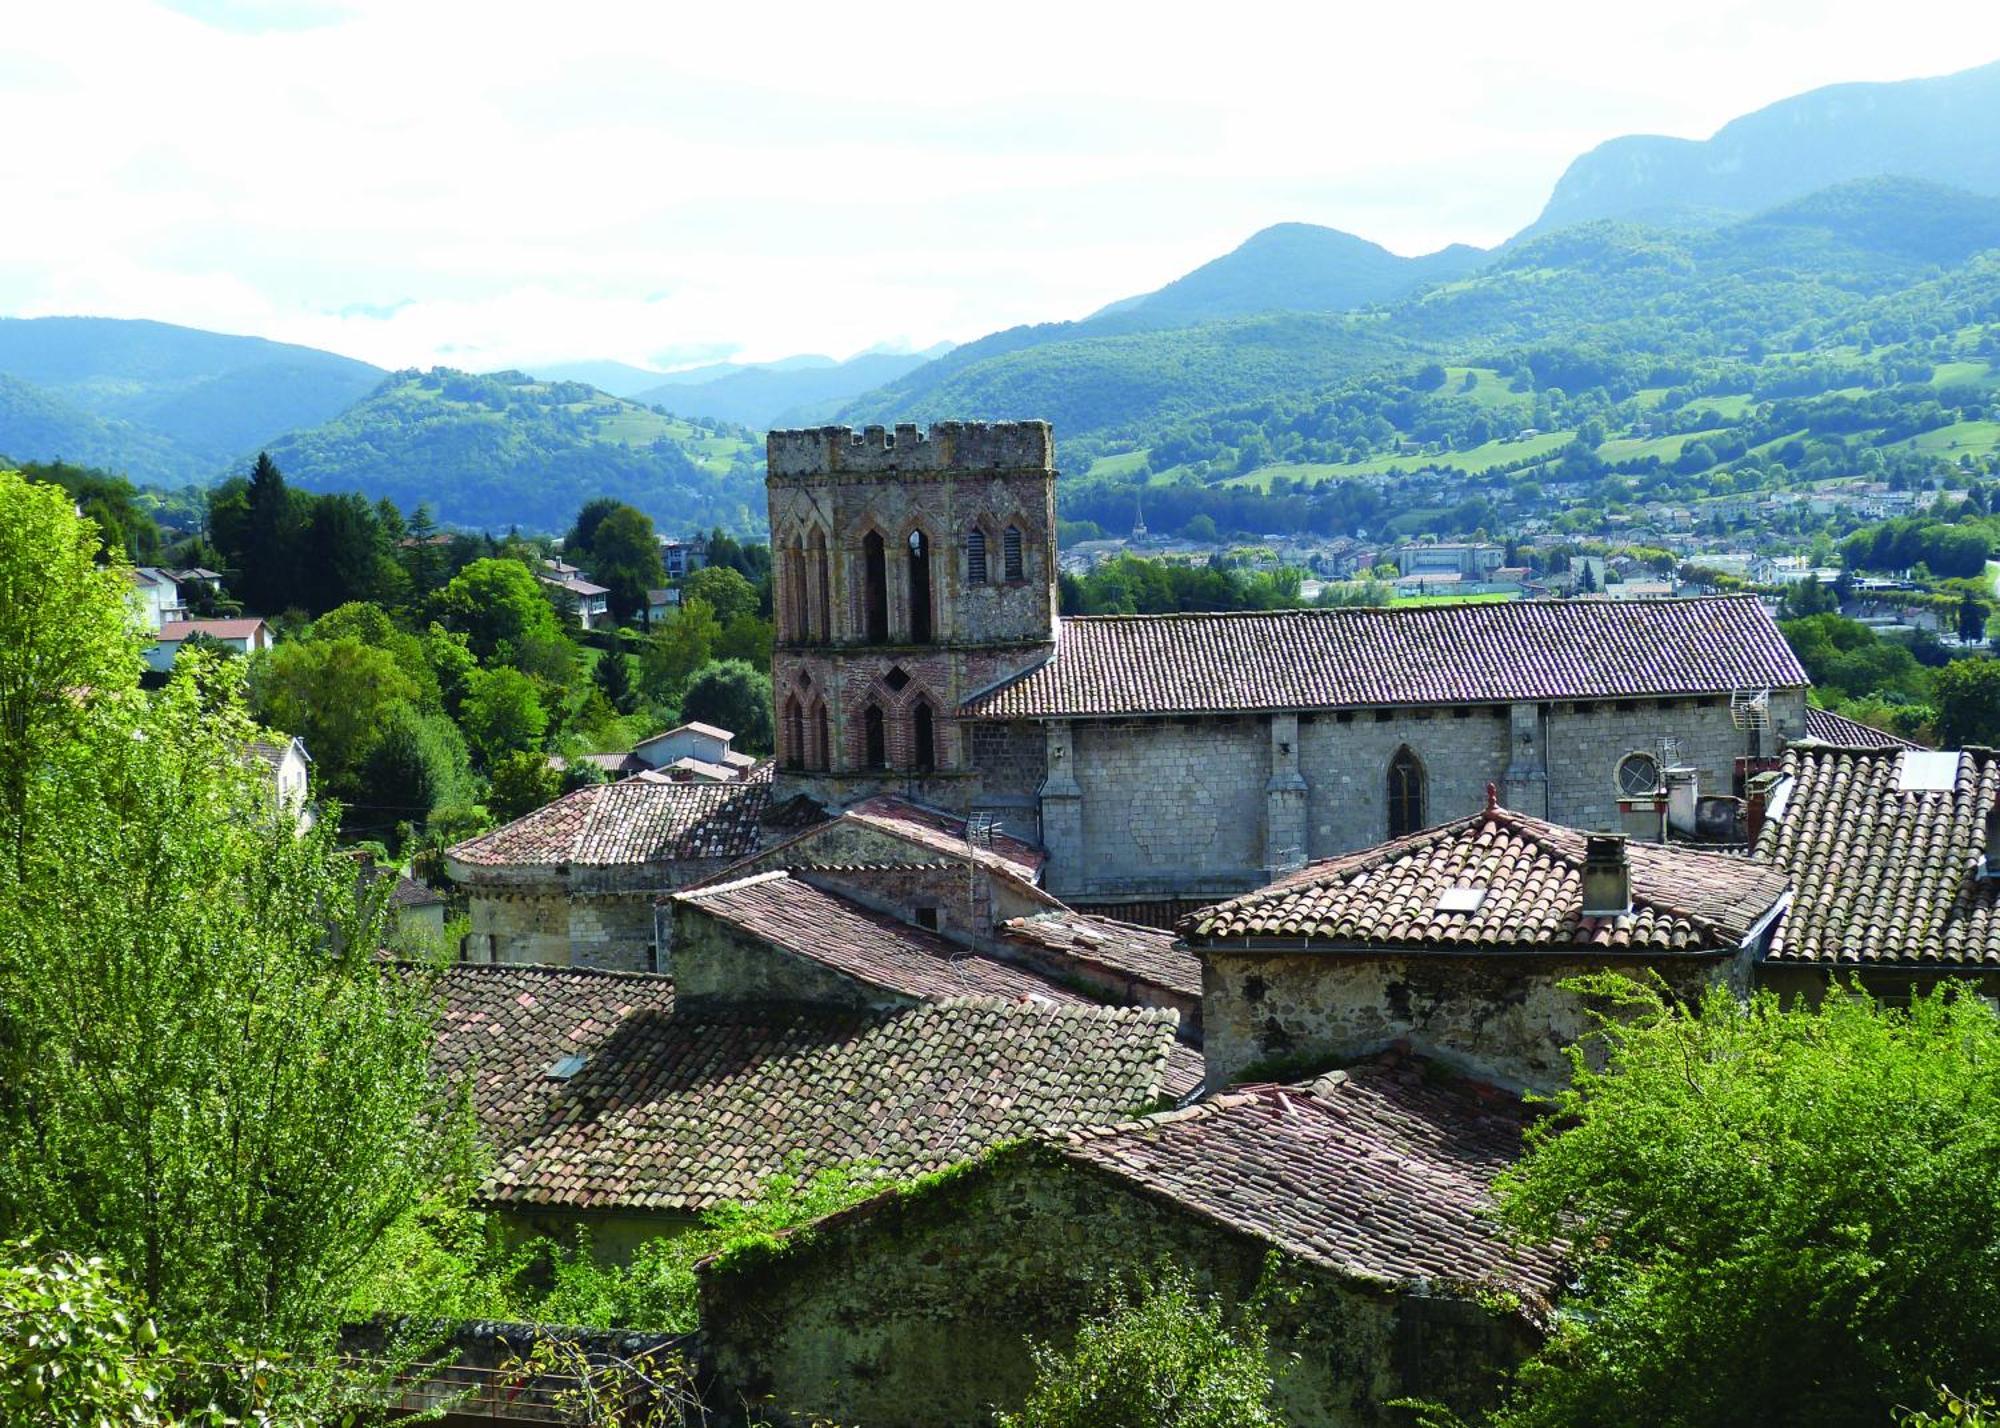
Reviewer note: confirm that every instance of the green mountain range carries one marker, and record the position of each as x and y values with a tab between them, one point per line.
172	404
503	449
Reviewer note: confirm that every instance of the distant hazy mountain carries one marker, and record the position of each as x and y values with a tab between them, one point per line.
789	392
621	379
1938	129
1296	267
201	399
503	449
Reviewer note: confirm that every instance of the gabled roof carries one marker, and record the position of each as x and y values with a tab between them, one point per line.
692	727
174	631
1529	877
1883	877
274	752
1383	1173
1146	954
947	833
670	1112
1830	728
633	821
868	946
1456	654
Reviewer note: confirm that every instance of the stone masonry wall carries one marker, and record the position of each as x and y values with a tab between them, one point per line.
1148	807
1345	762
918	1310
1504	1019
548	926
1172	806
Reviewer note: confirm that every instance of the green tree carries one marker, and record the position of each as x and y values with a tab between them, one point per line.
67	644
749	638
723	590
581	541
416	763
1168	1357
1971	619
201	1086
497	605
1967	695
1809	597
335	694
76	1347
1201	528
502	714
682	644
735	696
522	782
273	538
423	562
625	559
1771	1213
613	678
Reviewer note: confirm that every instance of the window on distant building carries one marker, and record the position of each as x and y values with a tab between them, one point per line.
874	739
927	918
875	589
1406	793
923	736
975	557
920	589
1010	552
1638	775
795	733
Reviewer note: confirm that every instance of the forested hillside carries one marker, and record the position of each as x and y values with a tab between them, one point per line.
177	403
504	449
1847	332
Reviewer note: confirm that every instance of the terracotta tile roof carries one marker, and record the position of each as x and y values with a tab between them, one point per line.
869	946
1831	728
632	821
1456	654
1383	1172
1882	877
668	1112
1531	875
408	892
174	631
1146	954
946	833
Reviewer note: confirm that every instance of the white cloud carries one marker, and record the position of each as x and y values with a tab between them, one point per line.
502	183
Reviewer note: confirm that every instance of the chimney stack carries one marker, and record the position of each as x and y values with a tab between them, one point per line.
1607	876
1682	800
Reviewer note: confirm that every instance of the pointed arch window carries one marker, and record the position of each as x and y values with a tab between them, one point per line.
819	593
1406	793
795	733
874	739
1010	553
923	737
821	744
794	622
920	589
975	556
874	589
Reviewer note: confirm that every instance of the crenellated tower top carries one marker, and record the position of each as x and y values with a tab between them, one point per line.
907	449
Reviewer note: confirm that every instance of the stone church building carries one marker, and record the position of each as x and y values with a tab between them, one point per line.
1165	761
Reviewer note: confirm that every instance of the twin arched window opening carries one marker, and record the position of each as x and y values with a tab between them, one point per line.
1406	793
978	572
804	734
875	738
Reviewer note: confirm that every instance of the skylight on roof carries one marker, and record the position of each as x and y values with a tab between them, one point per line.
1927	771
565	1067
1461	899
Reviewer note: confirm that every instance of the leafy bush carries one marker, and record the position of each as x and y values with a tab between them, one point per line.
1168	1357
1776	1216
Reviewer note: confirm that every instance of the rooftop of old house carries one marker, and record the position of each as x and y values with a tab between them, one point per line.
1888	854
869	946
639	821
949	834
1499	882
1382	1172
1827	727
1144	954
595	1092
1519	651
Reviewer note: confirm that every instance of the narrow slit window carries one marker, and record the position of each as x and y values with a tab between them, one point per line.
975	557
1010	552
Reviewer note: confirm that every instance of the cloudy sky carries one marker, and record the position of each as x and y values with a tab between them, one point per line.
488	184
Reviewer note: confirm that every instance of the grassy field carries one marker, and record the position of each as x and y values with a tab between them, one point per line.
1638	448
1122	464
1473	461
1974	438
1951	374
1401	601
1489	389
